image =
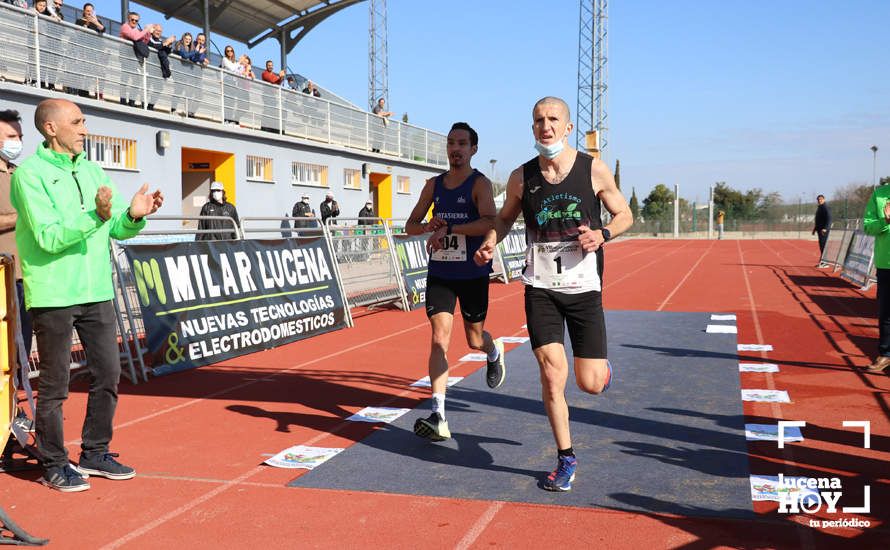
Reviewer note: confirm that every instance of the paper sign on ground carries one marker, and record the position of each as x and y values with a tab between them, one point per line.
716	317
425	382
474	357
766	396
758	367
755	347
767	488
770	432
302	456
721	329
377	414
514	339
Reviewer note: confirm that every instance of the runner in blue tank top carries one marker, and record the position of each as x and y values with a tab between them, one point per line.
463	213
559	193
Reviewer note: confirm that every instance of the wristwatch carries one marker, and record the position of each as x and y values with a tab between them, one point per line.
607	235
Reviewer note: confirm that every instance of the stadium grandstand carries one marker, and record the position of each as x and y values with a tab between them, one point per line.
267	144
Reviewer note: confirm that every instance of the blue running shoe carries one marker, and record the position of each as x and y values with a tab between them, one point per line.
562	477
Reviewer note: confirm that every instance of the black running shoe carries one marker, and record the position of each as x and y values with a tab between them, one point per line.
434	428
497	370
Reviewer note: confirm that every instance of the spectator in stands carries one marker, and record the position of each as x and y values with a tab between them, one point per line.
89	20
139	36
42	9
380	109
270	76
302	210
10	149
246	67
17	3
164	48
69	210
200	54
366	212
329	208
822	223
217	205
185	47
56	9
229	63
311	89
291	84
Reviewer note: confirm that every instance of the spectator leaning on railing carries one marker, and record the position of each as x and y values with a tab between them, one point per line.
229	62
17	3
132	31
89	20
164	47
200	55
217	205
270	76
41	8
56	9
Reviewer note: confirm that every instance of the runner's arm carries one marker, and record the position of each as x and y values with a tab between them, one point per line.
415	224
504	220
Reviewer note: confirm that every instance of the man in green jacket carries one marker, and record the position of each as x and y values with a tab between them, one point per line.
68	210
876	222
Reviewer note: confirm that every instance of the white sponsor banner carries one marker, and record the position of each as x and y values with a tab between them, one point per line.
302	456
377	414
425	382
770	432
758	367
755	347
514	339
717	317
768	488
766	396
721	329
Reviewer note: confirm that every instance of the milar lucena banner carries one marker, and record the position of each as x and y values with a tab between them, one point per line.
204	302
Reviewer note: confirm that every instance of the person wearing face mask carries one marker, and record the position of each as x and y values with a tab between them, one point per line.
10	150
217	206
302	209
329	208
559	194
366	212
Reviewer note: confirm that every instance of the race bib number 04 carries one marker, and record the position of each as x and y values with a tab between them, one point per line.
564	265
454	249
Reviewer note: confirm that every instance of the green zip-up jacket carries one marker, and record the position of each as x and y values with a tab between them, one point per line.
874	224
63	244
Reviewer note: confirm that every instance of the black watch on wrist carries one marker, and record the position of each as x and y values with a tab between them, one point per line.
607	235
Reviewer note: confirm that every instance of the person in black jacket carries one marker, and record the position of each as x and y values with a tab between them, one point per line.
822	223
329	208
366	212
303	210
217	206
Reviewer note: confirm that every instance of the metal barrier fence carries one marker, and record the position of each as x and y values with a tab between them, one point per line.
65	57
370	270
837	251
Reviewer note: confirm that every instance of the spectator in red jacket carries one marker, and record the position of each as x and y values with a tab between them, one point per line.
271	77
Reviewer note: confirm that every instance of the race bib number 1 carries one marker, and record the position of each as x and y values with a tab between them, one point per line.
564	265
454	249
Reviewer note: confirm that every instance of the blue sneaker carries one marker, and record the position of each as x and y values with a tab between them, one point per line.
105	465
562	477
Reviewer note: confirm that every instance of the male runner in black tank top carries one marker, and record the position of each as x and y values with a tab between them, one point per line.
559	192
463	210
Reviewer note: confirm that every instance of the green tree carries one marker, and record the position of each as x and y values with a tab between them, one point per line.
659	204
618	174
634	205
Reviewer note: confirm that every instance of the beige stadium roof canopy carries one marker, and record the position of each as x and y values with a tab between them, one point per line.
252	21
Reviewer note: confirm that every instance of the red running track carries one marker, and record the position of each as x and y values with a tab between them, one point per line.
198	438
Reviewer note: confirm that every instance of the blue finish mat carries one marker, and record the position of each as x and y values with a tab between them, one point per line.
668	436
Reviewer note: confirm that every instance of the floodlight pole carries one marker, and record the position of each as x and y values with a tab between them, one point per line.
207	23
125	10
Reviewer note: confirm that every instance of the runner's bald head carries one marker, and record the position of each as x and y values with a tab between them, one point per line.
552	100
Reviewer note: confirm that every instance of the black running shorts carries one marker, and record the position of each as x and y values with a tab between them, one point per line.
442	294
548	313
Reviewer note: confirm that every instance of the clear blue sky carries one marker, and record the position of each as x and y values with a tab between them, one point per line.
787	96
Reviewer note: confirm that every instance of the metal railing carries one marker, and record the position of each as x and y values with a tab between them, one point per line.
40	51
